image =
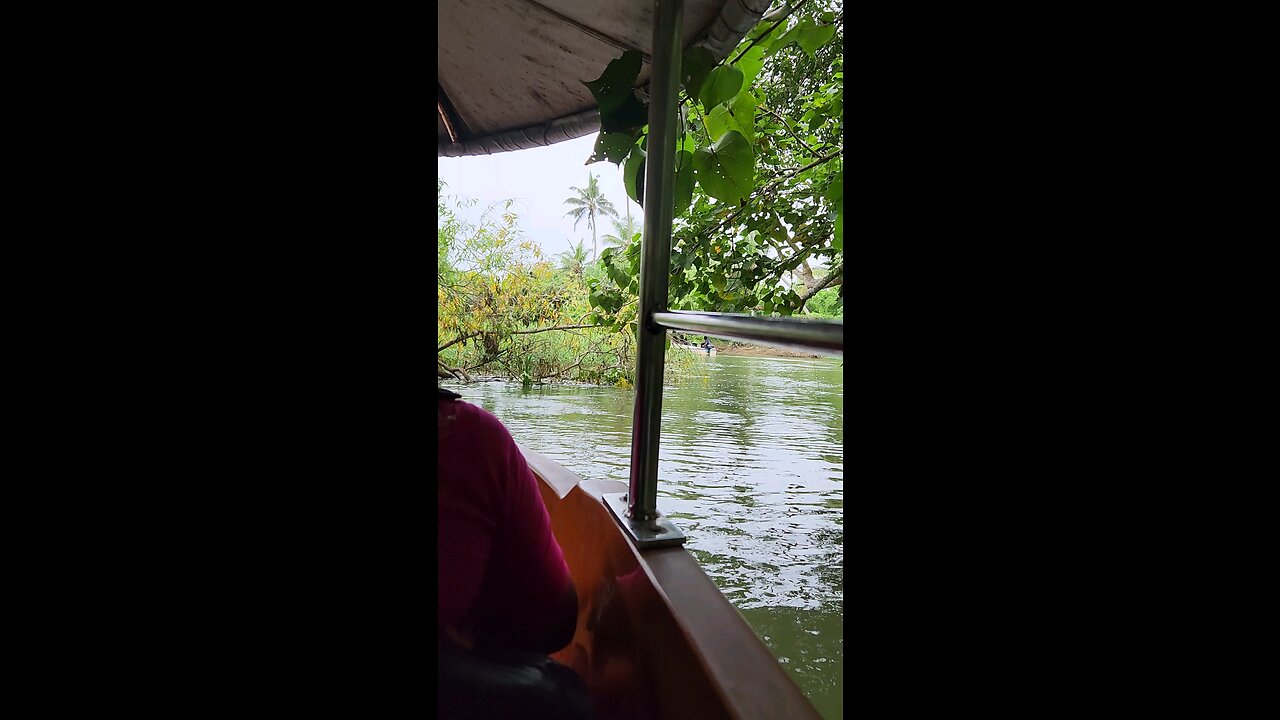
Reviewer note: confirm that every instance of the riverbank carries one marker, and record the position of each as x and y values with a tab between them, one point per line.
760	351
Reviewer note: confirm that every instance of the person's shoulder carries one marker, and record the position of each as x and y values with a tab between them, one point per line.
477	422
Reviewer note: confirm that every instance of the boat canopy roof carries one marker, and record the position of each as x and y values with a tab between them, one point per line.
511	72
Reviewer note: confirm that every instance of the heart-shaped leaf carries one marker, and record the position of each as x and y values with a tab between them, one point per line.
614	86
742	115
620	109
612	146
750	64
726	170
694	67
813	37
786	39
739	115
718	122
722	84
627	119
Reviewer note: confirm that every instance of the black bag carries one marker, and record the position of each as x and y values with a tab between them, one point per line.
523	685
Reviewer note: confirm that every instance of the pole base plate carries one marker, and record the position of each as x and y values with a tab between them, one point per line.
658	532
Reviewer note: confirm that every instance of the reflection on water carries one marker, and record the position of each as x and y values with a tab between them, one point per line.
751	469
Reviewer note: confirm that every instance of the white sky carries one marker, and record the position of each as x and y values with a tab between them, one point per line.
538	180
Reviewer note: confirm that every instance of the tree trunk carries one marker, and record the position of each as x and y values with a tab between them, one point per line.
594	253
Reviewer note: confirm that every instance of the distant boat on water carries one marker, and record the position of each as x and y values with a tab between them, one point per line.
696	349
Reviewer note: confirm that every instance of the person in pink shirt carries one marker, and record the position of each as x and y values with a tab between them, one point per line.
503	581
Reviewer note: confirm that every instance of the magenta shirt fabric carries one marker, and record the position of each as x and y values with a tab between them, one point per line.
497	552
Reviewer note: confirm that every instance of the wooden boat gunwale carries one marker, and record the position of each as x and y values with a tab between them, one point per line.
736	666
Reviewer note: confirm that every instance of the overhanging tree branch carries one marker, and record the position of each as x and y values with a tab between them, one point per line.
549	329
788	127
455	341
819	287
513	332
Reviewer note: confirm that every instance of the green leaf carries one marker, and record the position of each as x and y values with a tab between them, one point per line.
743	108
835	195
684	182
750	64
681	260
718	122
633	175
617	275
835	191
614	86
620	109
612	146
786	39
771	225
694	67
727	169
626	119
740	116
758	31
811	38
837	243
722	84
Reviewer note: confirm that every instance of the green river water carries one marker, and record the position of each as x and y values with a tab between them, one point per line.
751	470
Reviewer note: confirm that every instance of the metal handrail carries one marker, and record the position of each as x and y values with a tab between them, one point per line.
821	336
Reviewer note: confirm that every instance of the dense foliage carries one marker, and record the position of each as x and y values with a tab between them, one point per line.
505	310
759	171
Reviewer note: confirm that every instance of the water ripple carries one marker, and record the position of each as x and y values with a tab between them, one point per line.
751	466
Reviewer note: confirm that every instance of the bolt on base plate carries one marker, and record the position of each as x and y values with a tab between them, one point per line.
658	532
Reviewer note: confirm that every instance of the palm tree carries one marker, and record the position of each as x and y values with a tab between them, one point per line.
622	233
574	259
589	203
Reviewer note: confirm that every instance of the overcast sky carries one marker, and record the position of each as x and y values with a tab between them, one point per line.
538	180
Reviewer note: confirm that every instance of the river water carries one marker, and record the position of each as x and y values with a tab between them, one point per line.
751	469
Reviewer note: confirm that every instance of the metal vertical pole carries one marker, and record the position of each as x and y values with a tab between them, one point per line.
642	517
655	257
